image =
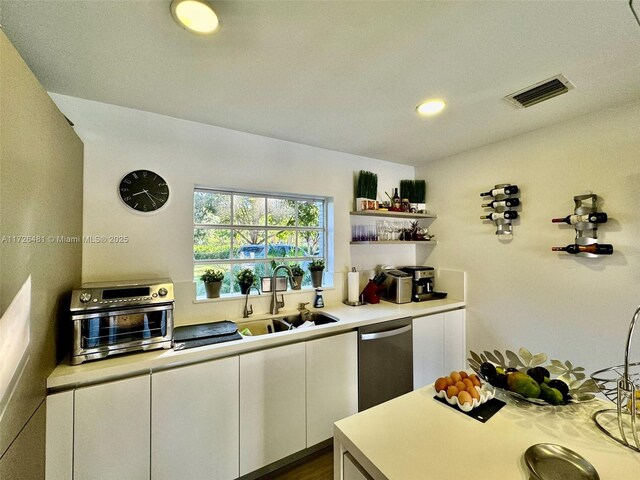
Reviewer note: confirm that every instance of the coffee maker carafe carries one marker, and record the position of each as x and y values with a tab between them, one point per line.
422	282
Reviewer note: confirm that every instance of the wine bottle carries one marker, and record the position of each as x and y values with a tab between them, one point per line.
508	215
509	190
596	248
507	202
599	217
397	202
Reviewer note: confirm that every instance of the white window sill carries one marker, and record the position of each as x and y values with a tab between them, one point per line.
239	296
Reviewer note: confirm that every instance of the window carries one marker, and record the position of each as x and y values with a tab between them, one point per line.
237	230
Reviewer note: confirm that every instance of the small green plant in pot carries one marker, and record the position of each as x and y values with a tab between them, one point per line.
297	272
316	268
245	279
212	280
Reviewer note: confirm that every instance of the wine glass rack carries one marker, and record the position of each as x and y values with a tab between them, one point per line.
585	221
504	201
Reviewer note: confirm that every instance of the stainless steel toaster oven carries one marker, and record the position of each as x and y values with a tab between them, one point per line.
120	317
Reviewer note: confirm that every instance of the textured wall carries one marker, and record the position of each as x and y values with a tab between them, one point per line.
40	195
520	293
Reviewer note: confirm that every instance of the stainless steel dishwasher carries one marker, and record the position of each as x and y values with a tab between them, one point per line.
385	362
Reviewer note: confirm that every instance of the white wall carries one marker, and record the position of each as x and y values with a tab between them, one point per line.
521	293
119	140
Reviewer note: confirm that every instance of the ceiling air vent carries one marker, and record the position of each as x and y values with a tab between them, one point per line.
552	87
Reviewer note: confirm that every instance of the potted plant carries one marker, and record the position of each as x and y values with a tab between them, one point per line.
245	279
297	272
212	282
366	191
415	191
315	268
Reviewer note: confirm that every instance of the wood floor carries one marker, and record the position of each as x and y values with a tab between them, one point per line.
318	466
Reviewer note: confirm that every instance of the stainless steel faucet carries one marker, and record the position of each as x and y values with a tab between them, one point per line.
304	311
248	310
276	304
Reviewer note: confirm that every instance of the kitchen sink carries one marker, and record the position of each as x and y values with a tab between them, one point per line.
282	323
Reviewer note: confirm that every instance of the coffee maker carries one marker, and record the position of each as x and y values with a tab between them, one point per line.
423	278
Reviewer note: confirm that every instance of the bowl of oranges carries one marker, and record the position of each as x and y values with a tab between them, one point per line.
463	390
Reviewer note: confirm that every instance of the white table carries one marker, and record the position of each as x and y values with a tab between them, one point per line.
415	437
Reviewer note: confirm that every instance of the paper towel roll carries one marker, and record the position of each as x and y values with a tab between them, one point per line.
353	286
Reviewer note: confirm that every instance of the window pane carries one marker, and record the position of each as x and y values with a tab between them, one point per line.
210	244
306	279
248	244
281	244
211	208
257	268
256	231
199	270
310	213
281	212
311	242
248	210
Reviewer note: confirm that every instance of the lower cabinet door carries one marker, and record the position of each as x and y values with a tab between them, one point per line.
112	431
59	436
439	346
194	422
428	349
332	383
455	342
272	405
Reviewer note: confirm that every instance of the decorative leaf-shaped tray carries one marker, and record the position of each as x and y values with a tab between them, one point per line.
581	389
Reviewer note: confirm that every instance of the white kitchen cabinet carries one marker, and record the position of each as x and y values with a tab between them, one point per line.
439	346
455	342
428	349
194	421
272	405
332	383
59	442
112	430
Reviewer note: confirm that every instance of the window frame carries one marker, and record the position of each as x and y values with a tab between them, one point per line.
323	230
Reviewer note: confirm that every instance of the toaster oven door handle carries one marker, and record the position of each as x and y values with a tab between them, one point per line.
128	311
388	333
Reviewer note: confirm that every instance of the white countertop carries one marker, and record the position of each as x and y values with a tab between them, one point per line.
66	376
415	436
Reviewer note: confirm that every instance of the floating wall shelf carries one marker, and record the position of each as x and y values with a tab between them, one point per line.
386	213
394	242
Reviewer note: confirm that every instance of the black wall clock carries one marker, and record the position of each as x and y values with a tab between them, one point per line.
144	191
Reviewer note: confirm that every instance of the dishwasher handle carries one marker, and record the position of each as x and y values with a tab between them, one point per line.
388	333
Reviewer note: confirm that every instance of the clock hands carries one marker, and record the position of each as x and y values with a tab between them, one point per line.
151	197
158	199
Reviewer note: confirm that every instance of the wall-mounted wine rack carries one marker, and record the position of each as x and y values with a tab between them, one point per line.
504	201
585	221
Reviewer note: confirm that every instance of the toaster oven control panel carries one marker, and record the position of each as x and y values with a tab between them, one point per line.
108	295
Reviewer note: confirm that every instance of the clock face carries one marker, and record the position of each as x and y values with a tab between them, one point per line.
144	191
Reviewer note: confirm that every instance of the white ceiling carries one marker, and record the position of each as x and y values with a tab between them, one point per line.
342	75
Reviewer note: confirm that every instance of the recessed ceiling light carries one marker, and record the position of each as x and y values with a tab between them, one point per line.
430	107
195	15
